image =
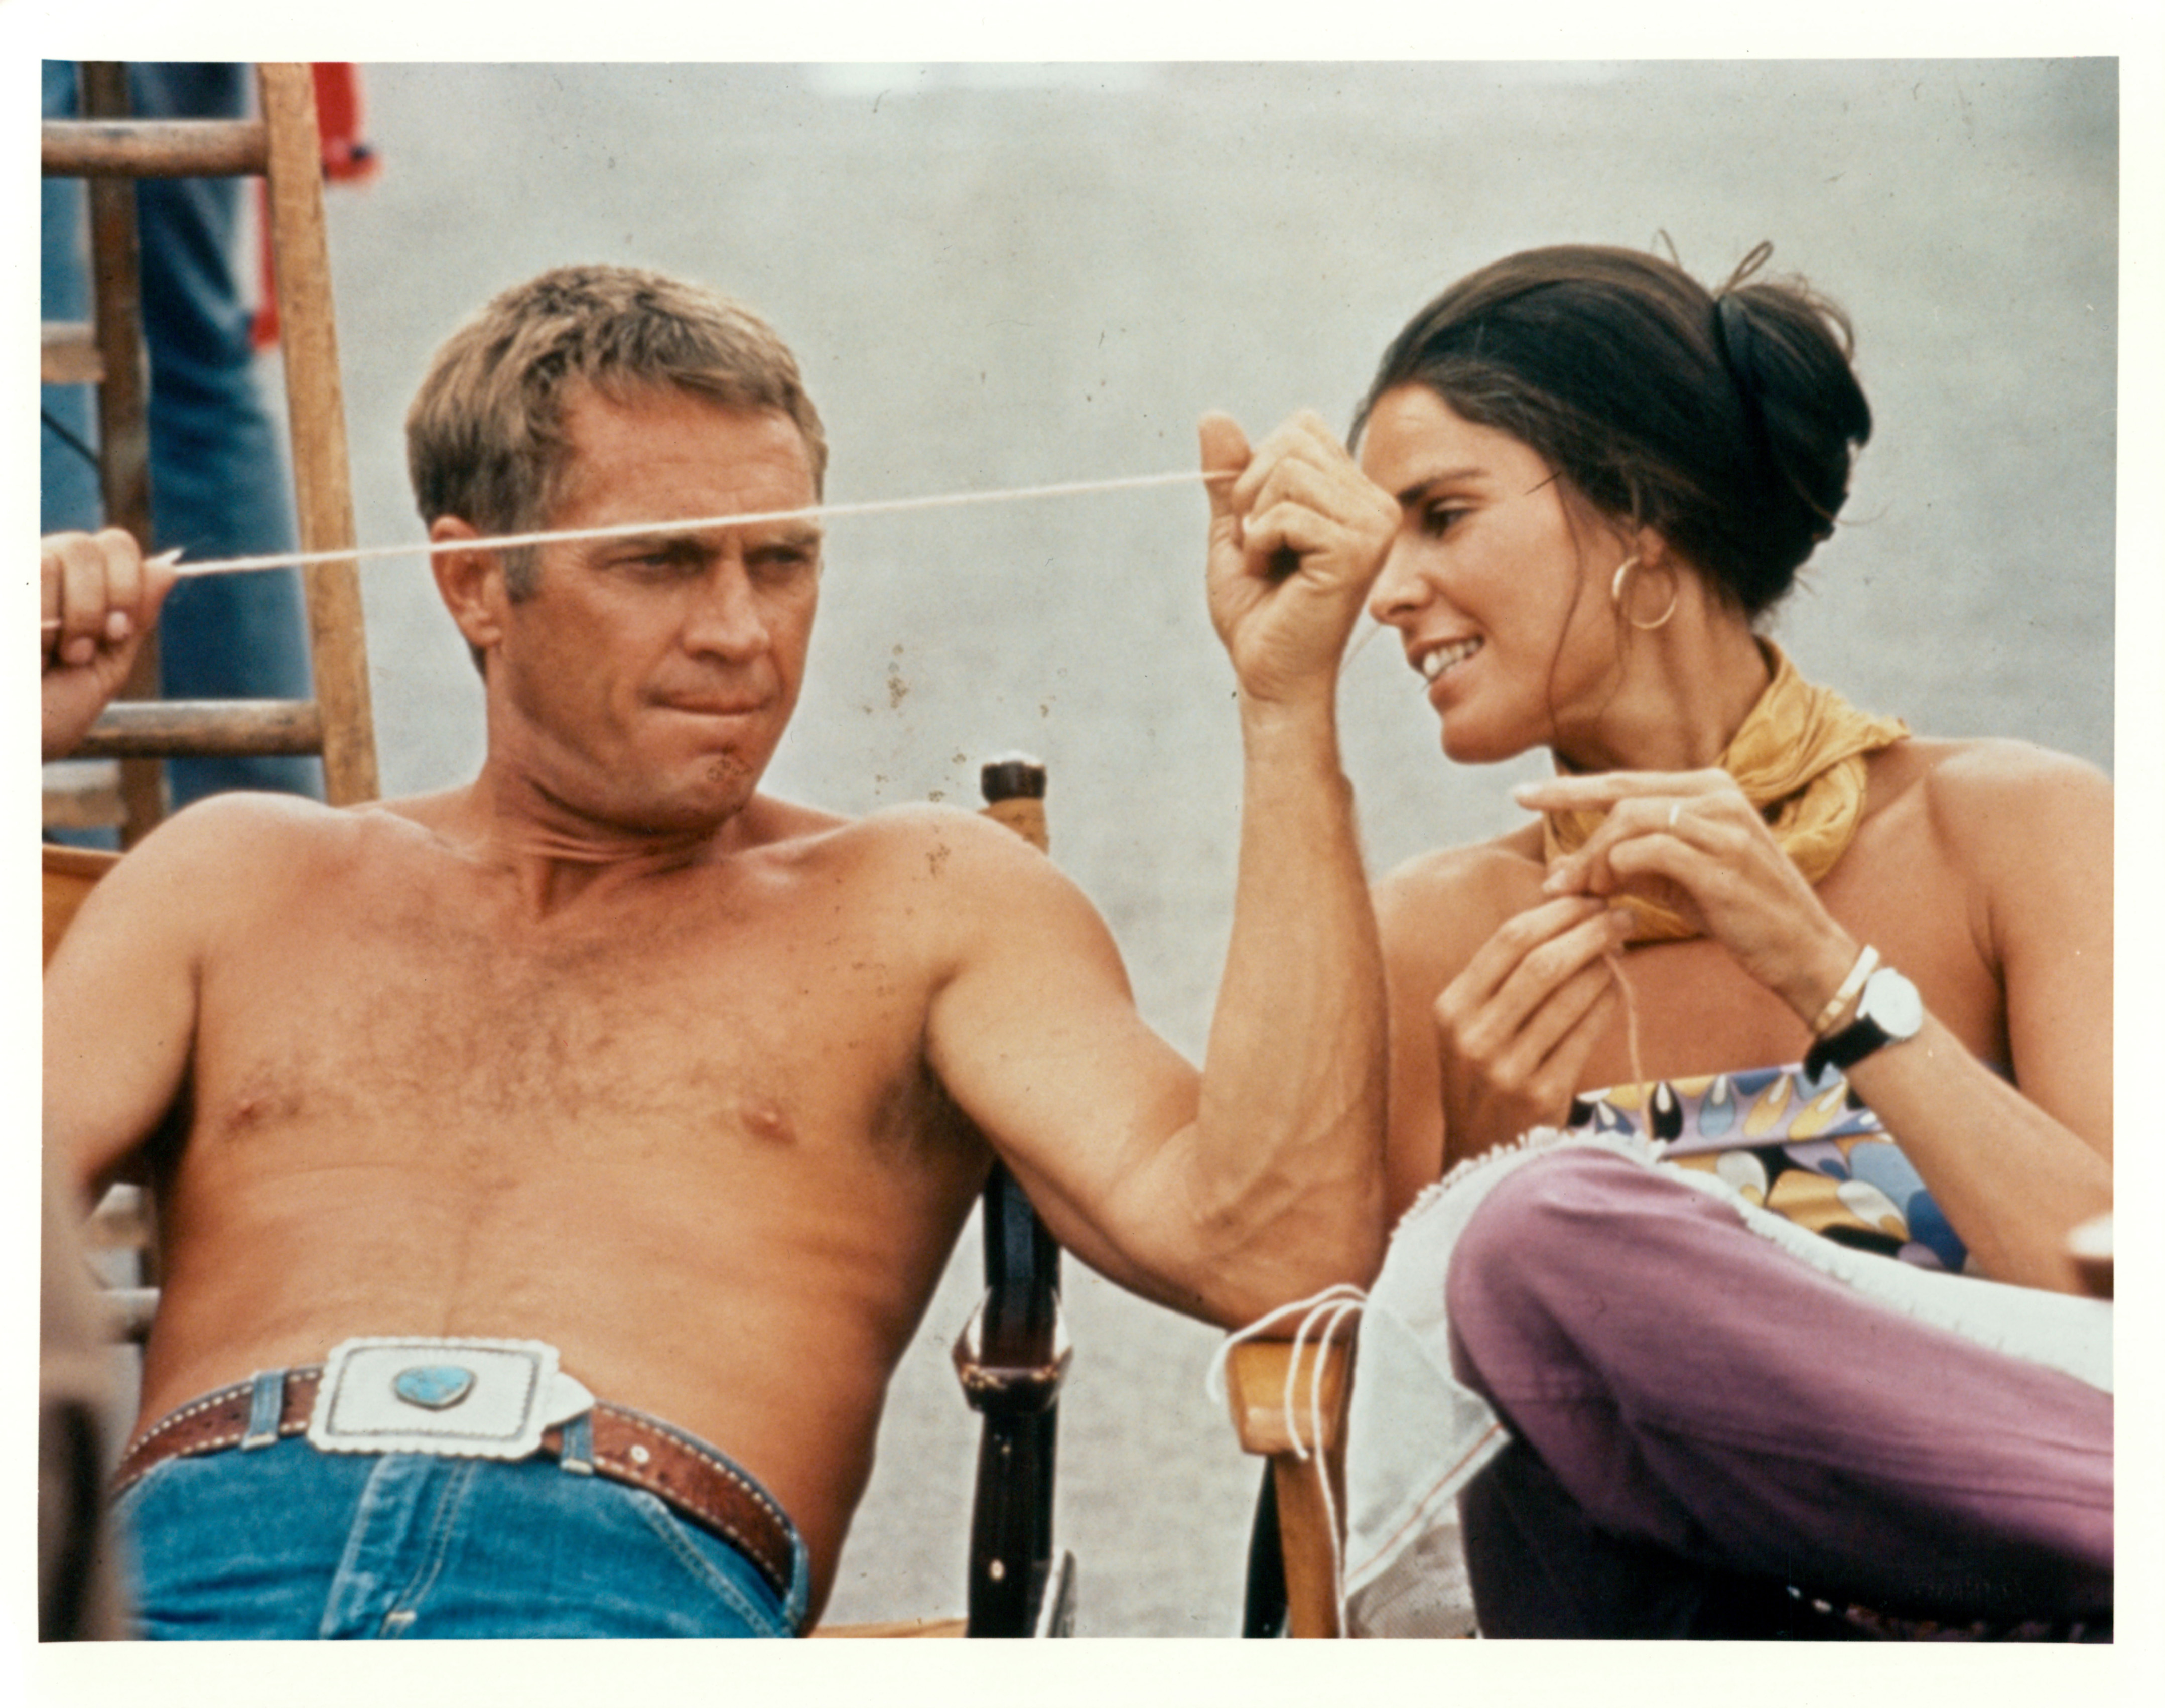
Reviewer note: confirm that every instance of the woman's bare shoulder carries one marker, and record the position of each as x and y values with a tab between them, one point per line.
1450	900
1993	786
1989	764
2019	821
1465	872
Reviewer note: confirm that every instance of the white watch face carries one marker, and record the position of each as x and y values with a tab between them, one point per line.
1891	1003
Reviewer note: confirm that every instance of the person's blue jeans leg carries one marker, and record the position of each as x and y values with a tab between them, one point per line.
286	1541
67	479
218	474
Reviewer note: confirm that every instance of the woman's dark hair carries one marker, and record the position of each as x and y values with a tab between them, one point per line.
1728	421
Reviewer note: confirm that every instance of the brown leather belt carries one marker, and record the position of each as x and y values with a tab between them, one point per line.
629	1446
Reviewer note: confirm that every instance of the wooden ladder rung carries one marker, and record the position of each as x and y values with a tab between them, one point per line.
83	796
68	355
154	148
204	728
282	146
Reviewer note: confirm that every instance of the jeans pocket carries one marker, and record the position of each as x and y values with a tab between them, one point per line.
733	1581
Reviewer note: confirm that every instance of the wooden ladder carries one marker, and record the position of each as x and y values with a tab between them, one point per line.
282	147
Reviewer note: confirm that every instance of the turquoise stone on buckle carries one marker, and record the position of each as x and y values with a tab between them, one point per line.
467	1397
438	1387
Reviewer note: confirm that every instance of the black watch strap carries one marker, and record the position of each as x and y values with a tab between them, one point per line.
1852	1043
1887	1012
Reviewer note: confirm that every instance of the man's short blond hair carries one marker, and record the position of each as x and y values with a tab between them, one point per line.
485	438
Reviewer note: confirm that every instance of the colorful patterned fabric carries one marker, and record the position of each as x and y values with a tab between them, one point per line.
1808	1150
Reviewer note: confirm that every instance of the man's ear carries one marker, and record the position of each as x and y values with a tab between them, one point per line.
471	583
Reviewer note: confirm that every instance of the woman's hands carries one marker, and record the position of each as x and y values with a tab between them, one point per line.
2009	836
1691	842
1297	535
1514	1028
1517	1026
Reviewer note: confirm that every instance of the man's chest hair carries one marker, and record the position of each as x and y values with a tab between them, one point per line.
426	1017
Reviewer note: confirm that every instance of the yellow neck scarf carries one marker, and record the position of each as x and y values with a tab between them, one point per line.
1799	758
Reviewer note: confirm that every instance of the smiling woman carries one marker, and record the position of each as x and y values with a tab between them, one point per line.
1486	589
1604	475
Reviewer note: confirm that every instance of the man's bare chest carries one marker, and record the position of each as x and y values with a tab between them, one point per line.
660	1026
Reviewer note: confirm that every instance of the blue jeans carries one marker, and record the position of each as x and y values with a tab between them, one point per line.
285	1542
218	485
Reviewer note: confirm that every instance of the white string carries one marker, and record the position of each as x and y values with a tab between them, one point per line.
1060	489
1322	1316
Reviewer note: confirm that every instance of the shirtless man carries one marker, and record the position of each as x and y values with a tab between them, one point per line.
611	1052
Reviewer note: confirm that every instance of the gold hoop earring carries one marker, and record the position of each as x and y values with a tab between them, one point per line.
1668	611
1616	598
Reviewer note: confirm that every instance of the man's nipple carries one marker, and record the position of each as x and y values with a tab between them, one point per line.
252	1110
766	1121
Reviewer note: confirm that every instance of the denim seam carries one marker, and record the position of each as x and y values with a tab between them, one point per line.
368	1512
443	1521
347	1569
664	1522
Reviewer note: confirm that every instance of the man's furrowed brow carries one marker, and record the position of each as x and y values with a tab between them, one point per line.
656	541
709	532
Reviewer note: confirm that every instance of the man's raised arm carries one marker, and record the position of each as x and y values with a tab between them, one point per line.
1263	1182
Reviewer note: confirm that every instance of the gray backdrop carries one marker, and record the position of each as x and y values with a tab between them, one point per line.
1006	275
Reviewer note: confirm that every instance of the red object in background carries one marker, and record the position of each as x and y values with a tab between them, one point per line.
347	159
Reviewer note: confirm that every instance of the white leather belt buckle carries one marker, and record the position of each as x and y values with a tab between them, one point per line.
483	1399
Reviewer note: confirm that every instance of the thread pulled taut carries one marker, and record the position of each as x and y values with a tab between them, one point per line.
497	542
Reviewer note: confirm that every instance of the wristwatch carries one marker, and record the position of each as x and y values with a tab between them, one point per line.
1889	1011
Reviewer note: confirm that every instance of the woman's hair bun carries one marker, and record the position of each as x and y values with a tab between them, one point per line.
1728	420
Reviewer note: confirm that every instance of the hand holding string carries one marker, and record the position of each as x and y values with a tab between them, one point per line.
1515	1028
98	598
1296	537
1691	842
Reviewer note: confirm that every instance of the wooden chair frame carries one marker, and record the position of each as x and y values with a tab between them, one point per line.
1298	1536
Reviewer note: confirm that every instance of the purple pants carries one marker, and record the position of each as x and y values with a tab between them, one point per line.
1702	1423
